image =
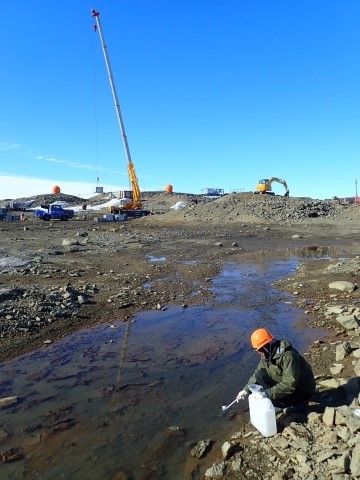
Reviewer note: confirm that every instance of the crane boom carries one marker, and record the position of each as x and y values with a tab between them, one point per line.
136	203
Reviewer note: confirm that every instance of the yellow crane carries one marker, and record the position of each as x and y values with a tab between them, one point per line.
135	201
264	185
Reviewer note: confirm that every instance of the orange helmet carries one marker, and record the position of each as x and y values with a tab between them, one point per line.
261	337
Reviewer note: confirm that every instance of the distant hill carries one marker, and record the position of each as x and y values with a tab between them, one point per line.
72	200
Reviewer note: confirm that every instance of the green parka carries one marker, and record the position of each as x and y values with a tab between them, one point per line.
289	370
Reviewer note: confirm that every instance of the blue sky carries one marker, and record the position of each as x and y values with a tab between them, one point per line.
213	95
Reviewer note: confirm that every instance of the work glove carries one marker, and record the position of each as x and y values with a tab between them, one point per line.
242	395
259	395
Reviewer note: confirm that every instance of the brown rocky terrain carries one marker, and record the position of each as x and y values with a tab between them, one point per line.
58	277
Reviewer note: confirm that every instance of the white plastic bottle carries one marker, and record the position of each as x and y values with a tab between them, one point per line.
262	414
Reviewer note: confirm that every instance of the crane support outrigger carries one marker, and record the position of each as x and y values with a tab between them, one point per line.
136	200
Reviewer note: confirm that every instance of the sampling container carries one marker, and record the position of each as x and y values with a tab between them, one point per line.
262	412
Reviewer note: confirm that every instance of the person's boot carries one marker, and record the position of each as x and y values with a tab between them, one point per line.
297	408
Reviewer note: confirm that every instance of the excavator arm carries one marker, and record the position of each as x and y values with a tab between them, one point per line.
279	180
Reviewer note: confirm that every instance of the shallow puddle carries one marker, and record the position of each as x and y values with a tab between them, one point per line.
135	397
151	258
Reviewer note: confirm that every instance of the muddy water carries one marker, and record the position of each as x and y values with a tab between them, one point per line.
134	398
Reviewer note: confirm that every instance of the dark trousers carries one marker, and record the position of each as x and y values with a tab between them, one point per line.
263	379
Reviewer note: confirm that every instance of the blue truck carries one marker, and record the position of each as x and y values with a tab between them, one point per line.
3	213
53	212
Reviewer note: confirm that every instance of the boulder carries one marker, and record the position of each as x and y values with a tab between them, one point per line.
343	286
342	351
334	309
349	322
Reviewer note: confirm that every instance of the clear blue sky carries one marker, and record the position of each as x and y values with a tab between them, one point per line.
213	95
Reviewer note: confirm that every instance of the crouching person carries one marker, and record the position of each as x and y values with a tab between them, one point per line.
284	374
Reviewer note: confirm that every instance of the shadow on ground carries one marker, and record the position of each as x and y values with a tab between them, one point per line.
334	397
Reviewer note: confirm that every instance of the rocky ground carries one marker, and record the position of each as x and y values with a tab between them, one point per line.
324	441
57	277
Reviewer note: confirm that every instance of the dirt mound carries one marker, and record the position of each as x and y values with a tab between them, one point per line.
248	207
236	207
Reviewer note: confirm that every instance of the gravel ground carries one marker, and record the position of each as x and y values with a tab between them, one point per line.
58	277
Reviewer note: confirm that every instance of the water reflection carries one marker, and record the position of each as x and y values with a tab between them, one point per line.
155	259
133	398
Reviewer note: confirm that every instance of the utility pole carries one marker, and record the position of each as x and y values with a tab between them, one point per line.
356	195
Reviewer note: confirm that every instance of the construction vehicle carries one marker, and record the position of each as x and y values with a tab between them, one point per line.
53	212
3	213
264	186
135	202
17	206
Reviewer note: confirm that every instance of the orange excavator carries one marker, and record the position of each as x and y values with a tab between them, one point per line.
133	203
264	186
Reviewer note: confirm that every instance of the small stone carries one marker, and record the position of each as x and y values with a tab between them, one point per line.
236	465
314	418
343	433
325	456
341	463
355	461
336	369
357	368
216	471
227	450
329	416
200	449
335	309
330	383
6	401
